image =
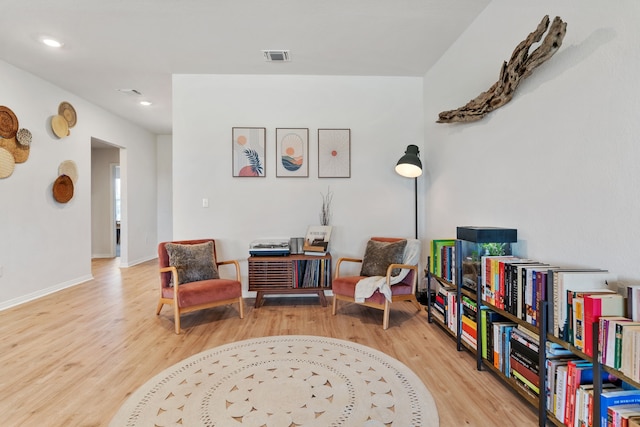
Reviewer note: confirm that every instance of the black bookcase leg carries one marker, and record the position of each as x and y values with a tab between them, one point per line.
479	330
597	375
429	319
542	366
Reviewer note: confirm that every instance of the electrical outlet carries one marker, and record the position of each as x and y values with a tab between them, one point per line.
0	271
205	203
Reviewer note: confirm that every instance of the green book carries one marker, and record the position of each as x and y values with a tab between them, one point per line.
618	352
436	248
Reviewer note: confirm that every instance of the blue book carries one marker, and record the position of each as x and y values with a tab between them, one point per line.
619	397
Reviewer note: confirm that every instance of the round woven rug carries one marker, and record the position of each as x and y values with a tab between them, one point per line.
283	381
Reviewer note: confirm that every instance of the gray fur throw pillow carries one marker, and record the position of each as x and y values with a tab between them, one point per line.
193	262
379	255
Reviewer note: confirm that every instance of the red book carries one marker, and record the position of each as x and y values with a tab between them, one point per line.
517	366
501	291
596	305
575	369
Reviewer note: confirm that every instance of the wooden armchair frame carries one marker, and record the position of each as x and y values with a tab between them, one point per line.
174	300
386	306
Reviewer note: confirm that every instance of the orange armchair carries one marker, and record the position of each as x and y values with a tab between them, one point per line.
392	287
189	278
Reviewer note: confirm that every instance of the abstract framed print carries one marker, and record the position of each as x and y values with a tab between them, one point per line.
292	152
248	152
334	153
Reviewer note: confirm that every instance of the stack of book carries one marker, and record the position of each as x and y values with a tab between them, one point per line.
445	306
469	321
524	359
316	242
615	404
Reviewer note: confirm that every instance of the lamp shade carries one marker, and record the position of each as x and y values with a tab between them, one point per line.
410	165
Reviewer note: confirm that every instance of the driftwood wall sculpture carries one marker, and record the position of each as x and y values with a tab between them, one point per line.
519	67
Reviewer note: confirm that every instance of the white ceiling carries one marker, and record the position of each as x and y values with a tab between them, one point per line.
139	44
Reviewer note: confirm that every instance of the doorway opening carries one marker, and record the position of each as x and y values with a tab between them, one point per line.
115	173
108	206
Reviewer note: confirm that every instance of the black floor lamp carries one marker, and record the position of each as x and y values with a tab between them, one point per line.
410	166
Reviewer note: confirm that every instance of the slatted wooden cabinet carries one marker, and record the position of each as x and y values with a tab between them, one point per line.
292	274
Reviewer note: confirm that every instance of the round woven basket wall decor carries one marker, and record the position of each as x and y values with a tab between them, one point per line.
60	126
63	189
24	137
8	122
69	168
7	163
20	152
67	111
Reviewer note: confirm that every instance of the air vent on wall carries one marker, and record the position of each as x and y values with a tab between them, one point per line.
133	92
276	55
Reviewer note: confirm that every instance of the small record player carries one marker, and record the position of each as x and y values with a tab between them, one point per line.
275	247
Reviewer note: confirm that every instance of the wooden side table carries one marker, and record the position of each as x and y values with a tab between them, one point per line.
291	274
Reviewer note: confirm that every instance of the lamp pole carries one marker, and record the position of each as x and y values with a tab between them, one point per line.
415	187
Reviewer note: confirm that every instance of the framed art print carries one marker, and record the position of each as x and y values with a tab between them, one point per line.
292	152
334	153
248	152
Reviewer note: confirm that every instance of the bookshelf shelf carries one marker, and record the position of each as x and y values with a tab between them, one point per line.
511	317
569	347
292	274
525	394
523	306
553	420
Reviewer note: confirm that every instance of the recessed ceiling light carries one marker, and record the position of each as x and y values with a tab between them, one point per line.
145	103
52	42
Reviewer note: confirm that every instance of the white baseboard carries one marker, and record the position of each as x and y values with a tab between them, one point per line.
102	256
137	261
42	292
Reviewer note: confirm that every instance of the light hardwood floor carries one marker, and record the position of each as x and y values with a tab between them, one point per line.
73	357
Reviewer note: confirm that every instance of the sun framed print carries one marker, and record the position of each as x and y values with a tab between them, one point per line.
334	153
292	152
248	152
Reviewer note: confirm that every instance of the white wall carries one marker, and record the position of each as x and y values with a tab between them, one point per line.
165	188
383	113
560	161
46	246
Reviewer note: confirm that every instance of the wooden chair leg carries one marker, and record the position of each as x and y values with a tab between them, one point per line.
176	318
385	316
334	305
160	305
241	307
415	302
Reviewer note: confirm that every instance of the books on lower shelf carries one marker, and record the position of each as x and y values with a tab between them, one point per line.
312	273
445	306
614	398
619	415
469	321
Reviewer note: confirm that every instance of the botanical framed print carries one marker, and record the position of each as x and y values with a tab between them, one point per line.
292	152
334	153
248	152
